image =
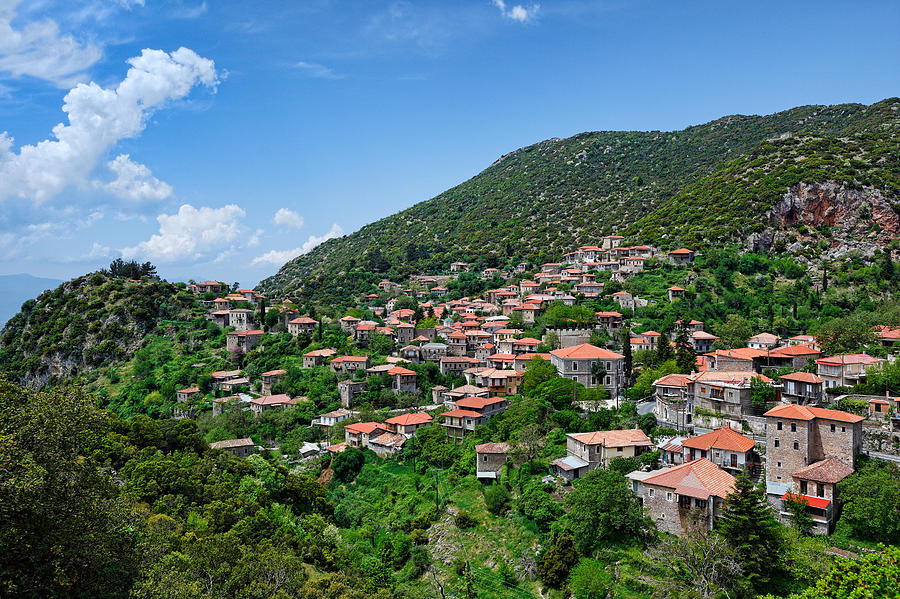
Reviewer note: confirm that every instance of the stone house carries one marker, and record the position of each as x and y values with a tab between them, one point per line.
681	256
817	484
611	321
576	363
207	286
845	369
802	388
489	460
597	448
219	404
349	363
724	447
220	376
724	393
348	390
458	423
402	379
486	406
406	424
411	353
232	385
496	380
386	444
459	267
452	395
624	299
457	364
271	402
243	340
702	341
316	357
674	403
348	323
744	359
239	448
795	357
187	394
240	319
358	434
675	292
302	326
270	378
799	436
433	352
682	497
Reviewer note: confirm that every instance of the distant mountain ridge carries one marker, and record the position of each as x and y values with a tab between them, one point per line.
711	183
19	288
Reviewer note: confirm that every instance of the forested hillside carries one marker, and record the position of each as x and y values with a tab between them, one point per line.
705	183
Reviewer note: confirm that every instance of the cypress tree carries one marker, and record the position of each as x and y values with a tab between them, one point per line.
747	522
663	349
626	351
685	357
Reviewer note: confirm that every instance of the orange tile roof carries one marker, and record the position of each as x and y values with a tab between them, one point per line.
798	412
740	353
274	372
319	353
478	403
672	380
271	400
585	351
620	438
723	437
399	370
737	377
410	419
682	251
698	478
849	359
461	414
364	427
492	448
790	351
802	377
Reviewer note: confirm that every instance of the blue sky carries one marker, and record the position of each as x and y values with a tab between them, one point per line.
218	139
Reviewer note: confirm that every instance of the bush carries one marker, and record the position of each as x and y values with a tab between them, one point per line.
497	499
464	521
347	464
558	560
589	580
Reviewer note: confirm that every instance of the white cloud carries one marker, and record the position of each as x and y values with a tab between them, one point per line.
518	12
279	257
318	71
288	218
191	234
134	181
98	119
39	50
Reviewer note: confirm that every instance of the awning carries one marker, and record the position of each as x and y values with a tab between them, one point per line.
817	502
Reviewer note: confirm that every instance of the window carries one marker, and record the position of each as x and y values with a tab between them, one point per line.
793	427
777	443
832	428
820	490
484	459
803	487
779	465
650	493
669	496
843	429
574	365
634	486
607	380
778	426
619	449
796	445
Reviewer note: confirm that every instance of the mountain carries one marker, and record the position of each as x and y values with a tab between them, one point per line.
17	289
88	323
712	183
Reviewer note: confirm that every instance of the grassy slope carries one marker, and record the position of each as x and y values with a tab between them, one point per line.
539	201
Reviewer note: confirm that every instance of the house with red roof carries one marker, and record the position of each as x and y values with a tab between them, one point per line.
681	256
724	447
271	402
489	460
358	434
795	357
303	325
406	424
589	451
845	369
402	379
270	378
459	422
577	363
674	404
675	292
349	363
802	388
817	485
187	394
763	341
681	497
723	396
243	340
317	357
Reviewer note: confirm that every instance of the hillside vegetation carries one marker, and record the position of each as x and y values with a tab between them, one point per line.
705	183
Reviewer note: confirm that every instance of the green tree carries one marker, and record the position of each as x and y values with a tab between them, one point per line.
749	526
558	560
734	332
603	508
590	580
626	351
796	505
537	371
663	350
347	464
685	356
64	533
497	499
762	394
381	344
871	501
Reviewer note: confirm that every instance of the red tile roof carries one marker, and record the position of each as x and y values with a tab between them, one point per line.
585	351
364	427
461	414
802	377
698	478
849	359
492	448
274	372
798	412
622	438
723	437
817	502
478	403
399	370
672	380
790	351
410	419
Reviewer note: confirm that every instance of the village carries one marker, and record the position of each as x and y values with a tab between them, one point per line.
799	445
